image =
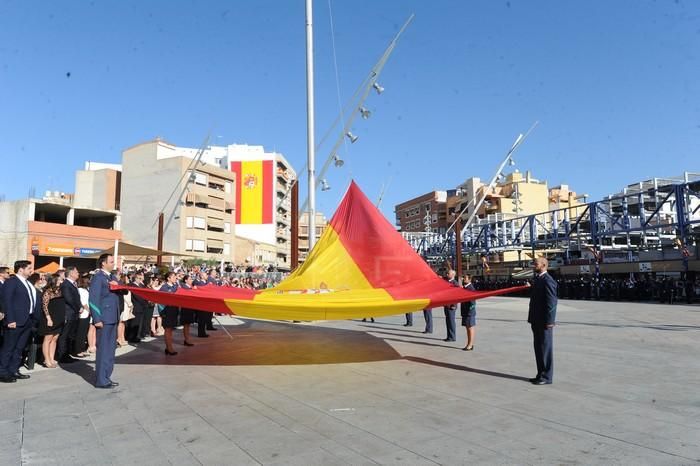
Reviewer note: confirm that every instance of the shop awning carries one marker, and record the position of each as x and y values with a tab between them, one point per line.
128	249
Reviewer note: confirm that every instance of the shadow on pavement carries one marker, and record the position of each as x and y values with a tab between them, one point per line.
457	367
84	369
267	343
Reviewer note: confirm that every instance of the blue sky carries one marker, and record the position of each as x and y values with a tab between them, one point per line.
615	86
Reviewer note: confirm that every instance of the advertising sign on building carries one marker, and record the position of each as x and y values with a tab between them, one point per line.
645	266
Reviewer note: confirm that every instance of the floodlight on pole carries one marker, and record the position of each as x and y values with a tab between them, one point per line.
365	113
378	88
352	137
337	161
324	185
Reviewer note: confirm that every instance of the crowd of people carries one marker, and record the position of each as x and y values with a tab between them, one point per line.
63	320
639	288
59	318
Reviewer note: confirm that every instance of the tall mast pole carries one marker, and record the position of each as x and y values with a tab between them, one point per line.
310	144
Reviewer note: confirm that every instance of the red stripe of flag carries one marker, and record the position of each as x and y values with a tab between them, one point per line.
236	168
268	179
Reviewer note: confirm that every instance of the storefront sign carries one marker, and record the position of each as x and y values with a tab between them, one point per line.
85	251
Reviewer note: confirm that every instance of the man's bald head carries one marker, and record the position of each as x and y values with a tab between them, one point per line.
540	264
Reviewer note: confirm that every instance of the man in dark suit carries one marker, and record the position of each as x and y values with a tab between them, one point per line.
542	317
21	308
137	326
4	276
450	310
69	289
202	317
213	280
104	308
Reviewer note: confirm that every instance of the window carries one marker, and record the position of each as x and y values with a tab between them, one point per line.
200	223
188	245
198	245
190	222
227	249
200	178
227	227
228	187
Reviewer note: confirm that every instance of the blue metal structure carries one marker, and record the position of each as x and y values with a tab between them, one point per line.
651	218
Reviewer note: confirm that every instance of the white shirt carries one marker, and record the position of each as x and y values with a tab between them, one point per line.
31	291
84	297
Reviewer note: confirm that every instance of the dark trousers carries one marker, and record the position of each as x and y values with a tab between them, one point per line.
428	316
145	325
202	319
133	326
65	340
209	318
106	347
450	323
409	319
81	333
12	347
543	342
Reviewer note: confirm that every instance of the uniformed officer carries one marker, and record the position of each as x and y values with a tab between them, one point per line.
104	308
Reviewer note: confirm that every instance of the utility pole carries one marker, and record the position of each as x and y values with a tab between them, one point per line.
310	144
161	218
295	227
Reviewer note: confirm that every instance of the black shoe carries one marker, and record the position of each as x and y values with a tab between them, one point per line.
203	336
170	353
408	325
371	319
364	320
533	380
7	379
109	385
214	329
468	348
449	339
427	331
114	384
541	382
187	343
20	376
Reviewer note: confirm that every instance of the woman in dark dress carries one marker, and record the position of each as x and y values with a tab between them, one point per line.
53	317
169	313
187	316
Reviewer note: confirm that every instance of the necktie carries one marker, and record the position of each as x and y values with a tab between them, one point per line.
31	296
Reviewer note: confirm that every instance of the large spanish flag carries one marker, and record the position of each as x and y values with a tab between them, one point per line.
254	191
360	267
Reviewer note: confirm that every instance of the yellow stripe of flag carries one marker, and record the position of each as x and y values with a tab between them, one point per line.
252	192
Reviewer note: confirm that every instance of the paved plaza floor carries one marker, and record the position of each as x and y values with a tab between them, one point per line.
626	391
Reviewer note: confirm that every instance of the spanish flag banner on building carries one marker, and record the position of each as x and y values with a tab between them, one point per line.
360	267
254	191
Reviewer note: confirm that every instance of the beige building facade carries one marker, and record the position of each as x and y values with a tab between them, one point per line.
197	201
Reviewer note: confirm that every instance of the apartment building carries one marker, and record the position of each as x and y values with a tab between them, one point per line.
197	201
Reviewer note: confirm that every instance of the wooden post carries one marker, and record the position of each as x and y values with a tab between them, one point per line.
159	262
295	227
458	248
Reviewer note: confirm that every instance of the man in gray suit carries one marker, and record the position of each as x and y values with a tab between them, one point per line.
542	317
104	308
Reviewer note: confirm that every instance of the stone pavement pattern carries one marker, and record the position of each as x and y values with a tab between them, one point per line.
326	393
